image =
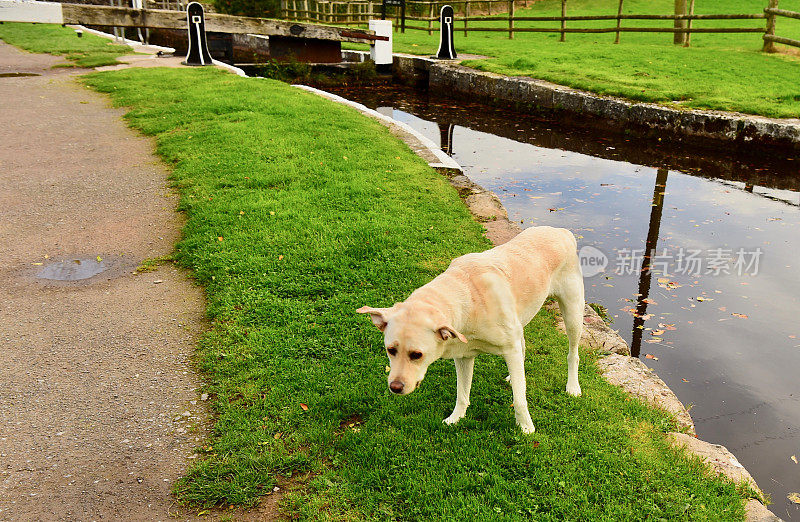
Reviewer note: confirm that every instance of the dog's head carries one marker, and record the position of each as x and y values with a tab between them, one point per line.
414	337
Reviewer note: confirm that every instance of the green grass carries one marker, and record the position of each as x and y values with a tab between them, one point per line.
300	211
719	71
87	51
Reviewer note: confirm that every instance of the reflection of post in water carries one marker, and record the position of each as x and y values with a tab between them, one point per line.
446	137
645	274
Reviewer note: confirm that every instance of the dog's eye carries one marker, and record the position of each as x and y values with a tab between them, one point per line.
392	351
415	355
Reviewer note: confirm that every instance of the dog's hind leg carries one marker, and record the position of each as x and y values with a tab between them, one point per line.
464	367
571	302
516	371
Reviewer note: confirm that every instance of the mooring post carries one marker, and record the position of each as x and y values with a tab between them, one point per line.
380	51
198	45
446	50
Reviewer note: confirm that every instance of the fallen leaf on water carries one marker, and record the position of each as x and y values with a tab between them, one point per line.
723	309
667	326
663	280
740	316
794	497
654	340
685	380
657	333
794	459
701	298
304	406
649	301
651	356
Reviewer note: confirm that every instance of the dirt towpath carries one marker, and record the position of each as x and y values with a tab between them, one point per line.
100	410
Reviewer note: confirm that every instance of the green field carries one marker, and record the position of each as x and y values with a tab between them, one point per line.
718	71
87	51
296	220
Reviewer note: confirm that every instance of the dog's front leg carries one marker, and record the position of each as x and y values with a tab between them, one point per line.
464	368
516	372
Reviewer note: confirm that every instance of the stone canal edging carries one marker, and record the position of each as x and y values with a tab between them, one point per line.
615	363
530	94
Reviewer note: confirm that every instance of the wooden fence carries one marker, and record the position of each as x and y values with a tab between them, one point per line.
773	13
470	12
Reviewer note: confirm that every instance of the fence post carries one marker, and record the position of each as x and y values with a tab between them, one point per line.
489	6
680	9
619	21
689	25
430	19
563	21
466	15
510	19
284	10
769	46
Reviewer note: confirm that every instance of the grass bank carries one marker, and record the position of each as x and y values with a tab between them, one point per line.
87	51
301	210
719	71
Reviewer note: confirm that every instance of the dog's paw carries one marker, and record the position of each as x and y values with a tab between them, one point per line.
452	419
574	390
527	429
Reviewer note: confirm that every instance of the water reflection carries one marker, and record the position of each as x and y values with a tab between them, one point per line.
646	272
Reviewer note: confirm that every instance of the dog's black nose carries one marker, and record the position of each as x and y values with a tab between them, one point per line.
396	386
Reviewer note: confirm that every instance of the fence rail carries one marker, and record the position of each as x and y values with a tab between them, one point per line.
770	39
359	12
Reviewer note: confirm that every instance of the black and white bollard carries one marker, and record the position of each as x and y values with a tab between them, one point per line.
198	45
446	50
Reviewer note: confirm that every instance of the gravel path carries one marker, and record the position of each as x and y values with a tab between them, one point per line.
100	409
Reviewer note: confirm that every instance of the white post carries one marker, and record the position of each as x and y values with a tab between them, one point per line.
381	51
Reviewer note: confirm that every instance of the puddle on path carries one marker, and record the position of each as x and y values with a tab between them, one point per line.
17	74
716	316
71	270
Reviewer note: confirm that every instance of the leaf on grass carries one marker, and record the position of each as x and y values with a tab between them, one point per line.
304	406
280	257
220	238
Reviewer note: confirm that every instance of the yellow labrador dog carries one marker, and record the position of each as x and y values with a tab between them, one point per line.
480	304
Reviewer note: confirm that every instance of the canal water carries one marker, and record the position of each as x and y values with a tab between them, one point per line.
716	314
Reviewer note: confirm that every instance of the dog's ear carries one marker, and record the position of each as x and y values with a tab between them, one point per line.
378	316
446	332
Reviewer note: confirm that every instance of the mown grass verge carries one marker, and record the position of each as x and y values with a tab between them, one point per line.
719	71
87	51
301	210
